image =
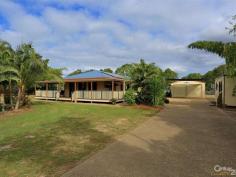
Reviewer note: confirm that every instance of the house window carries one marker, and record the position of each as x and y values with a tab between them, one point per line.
82	85
108	85
94	85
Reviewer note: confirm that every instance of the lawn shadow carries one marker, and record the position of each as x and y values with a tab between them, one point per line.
55	148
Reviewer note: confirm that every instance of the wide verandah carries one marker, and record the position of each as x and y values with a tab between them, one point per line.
81	90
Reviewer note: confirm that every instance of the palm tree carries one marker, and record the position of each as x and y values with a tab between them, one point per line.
24	66
224	50
7	72
141	75
29	65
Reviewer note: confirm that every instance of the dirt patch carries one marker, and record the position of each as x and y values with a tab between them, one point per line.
70	143
122	122
29	137
5	147
102	128
11	113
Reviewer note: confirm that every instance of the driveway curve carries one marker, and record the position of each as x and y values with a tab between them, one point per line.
187	139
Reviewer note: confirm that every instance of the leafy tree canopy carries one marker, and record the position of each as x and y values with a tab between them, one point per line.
78	71
108	70
24	66
225	50
193	76
210	76
232	28
170	74
141	75
125	70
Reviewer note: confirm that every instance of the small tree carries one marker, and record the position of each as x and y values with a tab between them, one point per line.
141	75
157	90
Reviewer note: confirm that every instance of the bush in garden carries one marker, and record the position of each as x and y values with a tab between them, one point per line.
157	90
130	96
113	101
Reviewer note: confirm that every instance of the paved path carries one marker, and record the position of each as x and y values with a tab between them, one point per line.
186	140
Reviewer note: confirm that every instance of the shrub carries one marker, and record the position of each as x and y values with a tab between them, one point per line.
113	101
157	90
1	108
130	96
167	101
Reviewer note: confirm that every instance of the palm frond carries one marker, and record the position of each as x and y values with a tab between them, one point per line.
209	46
8	69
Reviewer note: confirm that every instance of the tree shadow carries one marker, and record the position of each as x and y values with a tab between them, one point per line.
56	147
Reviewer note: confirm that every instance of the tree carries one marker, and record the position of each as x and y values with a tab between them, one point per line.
108	70
55	74
170	74
224	50
24	66
157	89
78	71
210	76
193	76
7	72
29	65
141	76
125	70
232	28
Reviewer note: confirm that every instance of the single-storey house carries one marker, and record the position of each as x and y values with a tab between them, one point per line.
225	91
90	86
185	88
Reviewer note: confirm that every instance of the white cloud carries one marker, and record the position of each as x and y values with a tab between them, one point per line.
123	32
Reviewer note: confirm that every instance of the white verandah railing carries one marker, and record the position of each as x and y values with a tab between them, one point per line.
98	95
83	94
47	94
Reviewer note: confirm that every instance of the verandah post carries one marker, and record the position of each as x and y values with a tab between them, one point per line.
35	89
75	96
91	93
47	91
112	87
123	88
57	95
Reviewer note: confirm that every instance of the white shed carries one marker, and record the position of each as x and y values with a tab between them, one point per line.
225	91
183	88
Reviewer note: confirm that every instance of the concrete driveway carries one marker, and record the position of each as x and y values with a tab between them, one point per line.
187	139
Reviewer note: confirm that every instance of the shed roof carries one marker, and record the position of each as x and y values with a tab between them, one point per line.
94	74
189	82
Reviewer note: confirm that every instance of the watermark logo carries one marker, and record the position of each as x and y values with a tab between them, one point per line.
223	171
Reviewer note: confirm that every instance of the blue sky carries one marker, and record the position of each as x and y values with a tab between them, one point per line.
95	34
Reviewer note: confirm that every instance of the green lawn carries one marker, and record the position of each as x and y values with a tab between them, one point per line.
50	138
